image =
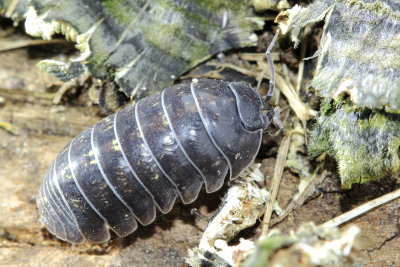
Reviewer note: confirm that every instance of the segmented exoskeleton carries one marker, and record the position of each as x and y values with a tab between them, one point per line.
142	158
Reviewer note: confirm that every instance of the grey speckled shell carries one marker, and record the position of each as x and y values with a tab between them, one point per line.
169	144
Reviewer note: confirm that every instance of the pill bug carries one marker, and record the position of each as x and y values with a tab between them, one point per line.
120	171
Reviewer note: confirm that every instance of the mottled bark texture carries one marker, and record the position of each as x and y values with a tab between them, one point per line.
144	44
359	68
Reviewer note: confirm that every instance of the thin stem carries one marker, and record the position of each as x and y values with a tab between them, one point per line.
345	217
271	67
278	172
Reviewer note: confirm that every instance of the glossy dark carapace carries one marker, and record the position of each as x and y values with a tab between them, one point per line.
128	165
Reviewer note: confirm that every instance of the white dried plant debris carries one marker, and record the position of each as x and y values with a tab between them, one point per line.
199	258
263	5
333	247
243	205
310	246
40	26
295	19
37	26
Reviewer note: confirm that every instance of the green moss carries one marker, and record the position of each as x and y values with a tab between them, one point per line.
356	54
364	142
120	10
327	107
376	7
175	42
201	22
265	248
219	4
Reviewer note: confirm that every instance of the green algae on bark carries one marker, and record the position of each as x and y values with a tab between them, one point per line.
145	44
364	142
359	54
358	57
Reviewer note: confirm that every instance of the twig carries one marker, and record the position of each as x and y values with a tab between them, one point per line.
301	197
213	74
11	8
20	95
345	217
279	166
9	127
300	74
10	45
258	56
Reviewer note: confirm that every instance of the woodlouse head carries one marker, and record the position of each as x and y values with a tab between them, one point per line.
250	106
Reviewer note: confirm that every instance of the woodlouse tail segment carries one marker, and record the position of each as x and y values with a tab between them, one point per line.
52	213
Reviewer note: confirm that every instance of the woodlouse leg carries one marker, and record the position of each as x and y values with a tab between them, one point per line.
273	116
196	212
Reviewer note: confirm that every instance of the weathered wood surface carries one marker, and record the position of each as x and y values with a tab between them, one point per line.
142	44
359	53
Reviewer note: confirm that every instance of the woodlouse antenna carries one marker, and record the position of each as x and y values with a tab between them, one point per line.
268	56
273	113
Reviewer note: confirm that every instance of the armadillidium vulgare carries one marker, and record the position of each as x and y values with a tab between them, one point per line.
142	158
